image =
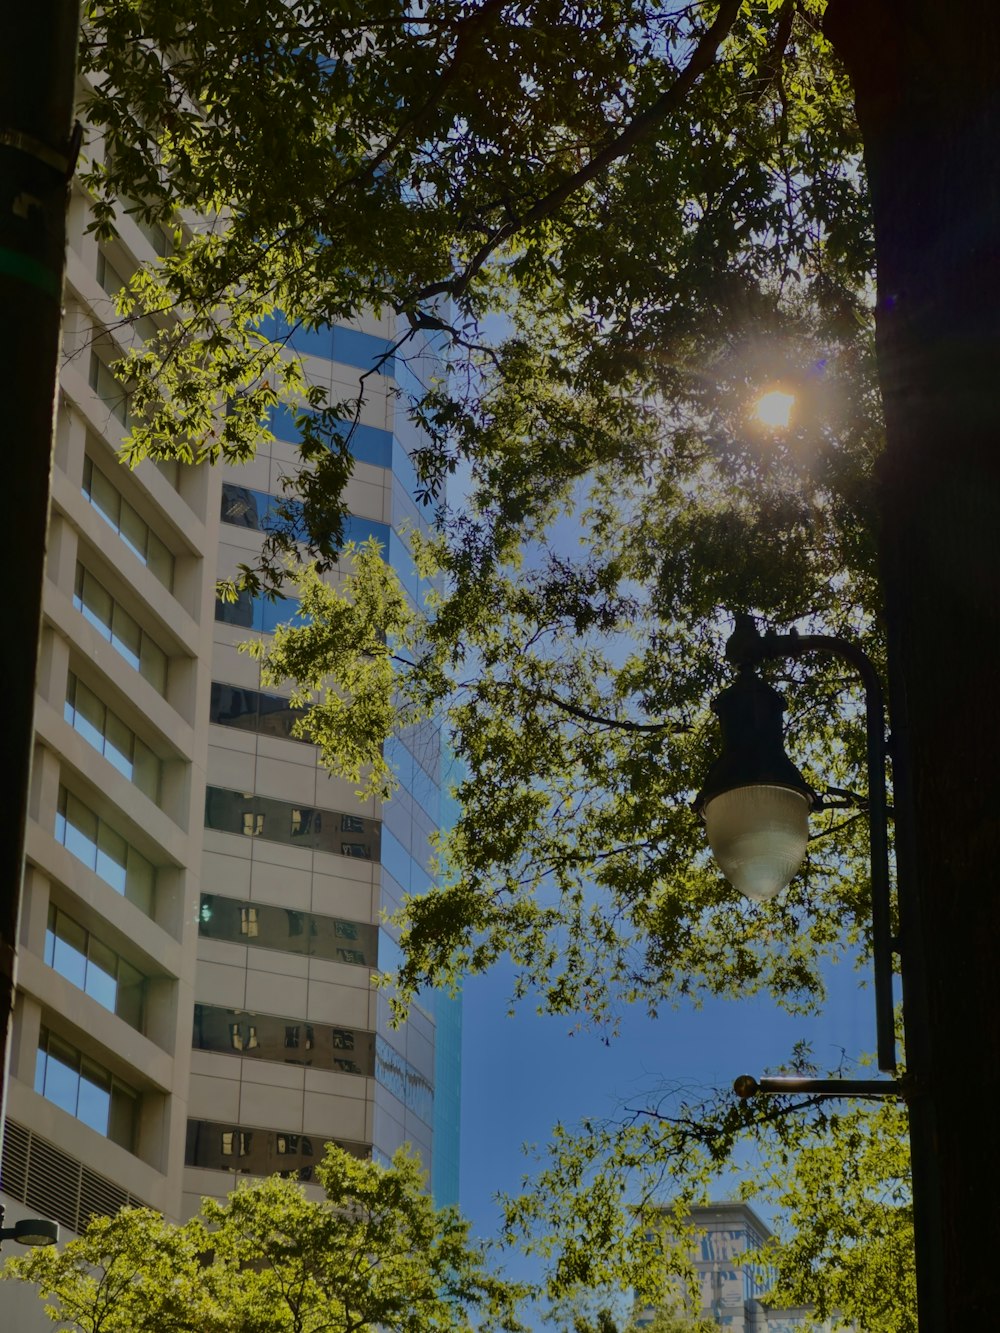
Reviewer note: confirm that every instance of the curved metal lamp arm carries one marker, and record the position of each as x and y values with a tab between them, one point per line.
748	647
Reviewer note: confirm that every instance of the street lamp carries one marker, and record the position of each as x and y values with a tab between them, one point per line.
756	805
755	802
30	1231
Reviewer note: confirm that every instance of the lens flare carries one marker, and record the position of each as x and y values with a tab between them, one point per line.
774	409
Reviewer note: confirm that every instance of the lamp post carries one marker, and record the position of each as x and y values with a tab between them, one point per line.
30	1231
756	805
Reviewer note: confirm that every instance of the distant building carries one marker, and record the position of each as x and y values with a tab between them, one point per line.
733	1290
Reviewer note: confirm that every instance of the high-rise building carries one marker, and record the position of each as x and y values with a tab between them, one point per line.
202	903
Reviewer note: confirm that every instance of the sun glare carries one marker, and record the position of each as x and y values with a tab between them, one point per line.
774	409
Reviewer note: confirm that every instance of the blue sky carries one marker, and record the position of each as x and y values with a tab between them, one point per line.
522	1074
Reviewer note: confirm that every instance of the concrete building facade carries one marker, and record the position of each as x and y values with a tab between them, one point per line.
202	902
733	1285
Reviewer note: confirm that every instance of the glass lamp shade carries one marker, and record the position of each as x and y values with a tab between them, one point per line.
758	835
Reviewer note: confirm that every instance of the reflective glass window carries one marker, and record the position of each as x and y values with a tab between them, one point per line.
109	735
85	1089
112	394
250	815
270	1037
133	530
258	1152
66	948
353	942
259	613
79	956
106	852
120	629
404	1080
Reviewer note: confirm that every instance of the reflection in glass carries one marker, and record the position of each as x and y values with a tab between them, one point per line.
257	1152
109	736
120	516
249	710
114	623
250	815
404	1081
293	932
85	1089
260	613
88	963
271	1037
104	851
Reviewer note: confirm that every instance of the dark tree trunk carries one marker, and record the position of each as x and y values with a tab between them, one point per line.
927	88
37	92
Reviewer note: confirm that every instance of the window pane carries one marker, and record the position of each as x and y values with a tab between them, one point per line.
145	769
126	636
118	745
141	881
123	1115
50	935
95	1096
276	716
112	856
291	931
80	831
160	560
102	964
153	664
69	954
96	603
240	612
240	506
89	713
133	530
103	495
232	707
282	611
131	993
62	1076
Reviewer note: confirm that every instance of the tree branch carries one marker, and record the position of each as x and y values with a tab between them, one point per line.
638	129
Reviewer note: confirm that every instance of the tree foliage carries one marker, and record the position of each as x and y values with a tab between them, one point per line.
374	1253
665	205
666	202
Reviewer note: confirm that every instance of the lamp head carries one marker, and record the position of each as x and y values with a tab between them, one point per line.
30	1231
755	802
36	1231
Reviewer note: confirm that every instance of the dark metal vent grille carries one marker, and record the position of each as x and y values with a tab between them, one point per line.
41	1175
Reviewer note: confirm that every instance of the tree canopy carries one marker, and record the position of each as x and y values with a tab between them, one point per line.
600	231
667	205
273	1258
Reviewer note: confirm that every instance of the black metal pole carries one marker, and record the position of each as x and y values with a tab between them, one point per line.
37	94
930	1230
